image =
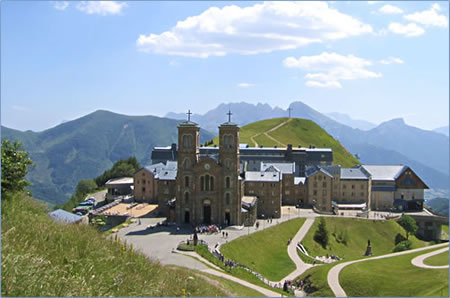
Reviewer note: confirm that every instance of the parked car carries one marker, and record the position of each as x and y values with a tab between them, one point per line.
86	203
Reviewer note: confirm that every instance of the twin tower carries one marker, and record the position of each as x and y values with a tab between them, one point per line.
208	186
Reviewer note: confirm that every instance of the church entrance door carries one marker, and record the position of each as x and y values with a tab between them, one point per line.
186	217
227	218
207	214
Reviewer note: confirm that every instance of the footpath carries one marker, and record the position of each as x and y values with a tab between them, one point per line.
333	274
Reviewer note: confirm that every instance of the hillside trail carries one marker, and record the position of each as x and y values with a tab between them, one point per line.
266	133
418	261
333	274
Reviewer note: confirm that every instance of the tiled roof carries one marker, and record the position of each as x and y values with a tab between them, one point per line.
285	168
385	172
353	174
262	176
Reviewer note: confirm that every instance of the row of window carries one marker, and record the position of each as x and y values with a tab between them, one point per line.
187	163
207	182
187	195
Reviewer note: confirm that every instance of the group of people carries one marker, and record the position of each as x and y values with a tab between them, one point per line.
207	229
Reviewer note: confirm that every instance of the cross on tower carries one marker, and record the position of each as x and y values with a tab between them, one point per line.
189	115
289	110
229	115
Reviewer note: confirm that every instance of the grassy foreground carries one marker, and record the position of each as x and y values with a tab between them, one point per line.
437	260
394	277
43	258
318	278
265	251
381	234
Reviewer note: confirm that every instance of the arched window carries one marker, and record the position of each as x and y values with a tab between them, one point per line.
187	163
227	164
187	141
202	183
186	198
228	141
227	182
227	198
206	182
212	182
186	181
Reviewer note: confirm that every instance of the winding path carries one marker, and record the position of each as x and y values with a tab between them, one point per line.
333	274
266	133
418	261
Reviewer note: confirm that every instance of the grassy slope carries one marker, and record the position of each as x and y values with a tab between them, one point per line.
380	233
394	277
43	258
437	260
318	276
445	228
265	251
297	132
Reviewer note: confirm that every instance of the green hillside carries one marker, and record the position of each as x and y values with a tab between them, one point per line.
296	132
394	277
85	147
42	258
381	234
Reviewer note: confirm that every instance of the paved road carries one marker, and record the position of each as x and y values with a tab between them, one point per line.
418	261
292	251
333	274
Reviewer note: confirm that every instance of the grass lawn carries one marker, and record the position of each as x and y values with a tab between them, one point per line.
380	233
437	260
318	277
44	258
202	250
394	277
445	228
231	288
265	251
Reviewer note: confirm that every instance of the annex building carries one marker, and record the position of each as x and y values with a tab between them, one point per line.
233	184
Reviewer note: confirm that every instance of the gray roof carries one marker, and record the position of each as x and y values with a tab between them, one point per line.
385	172
167	175
333	169
162	171
63	216
188	123
285	168
262	176
353	174
298	180
315	169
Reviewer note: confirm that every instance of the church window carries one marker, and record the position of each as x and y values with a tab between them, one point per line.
206	182
187	163
202	183
227	164
228	141
212	182
227	198
187	141
227	182
186	181
186	198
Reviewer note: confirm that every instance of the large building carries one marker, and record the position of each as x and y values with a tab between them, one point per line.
233	184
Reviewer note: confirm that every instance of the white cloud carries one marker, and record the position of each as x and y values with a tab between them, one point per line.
245	85
61	5
392	60
409	30
260	28
101	7
390	9
429	17
328	69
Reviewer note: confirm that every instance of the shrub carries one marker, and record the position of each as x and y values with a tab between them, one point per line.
321	234
403	245
399	238
409	224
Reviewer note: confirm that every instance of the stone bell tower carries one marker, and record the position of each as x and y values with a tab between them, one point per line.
230	162
188	156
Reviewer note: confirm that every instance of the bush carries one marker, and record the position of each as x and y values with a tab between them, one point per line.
399	238
409	224
403	245
321	234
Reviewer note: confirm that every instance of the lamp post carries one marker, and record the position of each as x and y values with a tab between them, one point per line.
262	215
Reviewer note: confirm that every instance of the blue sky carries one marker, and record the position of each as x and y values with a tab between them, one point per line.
372	61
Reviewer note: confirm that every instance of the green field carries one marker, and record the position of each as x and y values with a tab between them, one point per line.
43	258
318	277
380	233
296	132
394	277
445	228
437	260
265	251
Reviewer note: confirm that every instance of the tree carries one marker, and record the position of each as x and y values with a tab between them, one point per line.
122	168
409	224
15	163
321	234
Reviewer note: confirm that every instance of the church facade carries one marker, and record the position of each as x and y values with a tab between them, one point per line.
208	187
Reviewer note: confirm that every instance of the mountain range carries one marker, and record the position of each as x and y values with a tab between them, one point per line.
349	121
391	142
85	147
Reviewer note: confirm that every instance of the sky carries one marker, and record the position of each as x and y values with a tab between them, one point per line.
371	60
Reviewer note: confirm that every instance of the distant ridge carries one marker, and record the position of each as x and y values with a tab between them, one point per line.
85	147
